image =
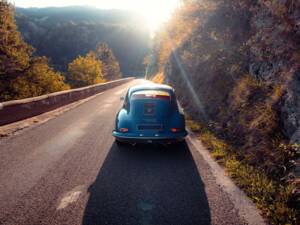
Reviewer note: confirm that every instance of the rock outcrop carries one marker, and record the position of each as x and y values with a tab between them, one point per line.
239	73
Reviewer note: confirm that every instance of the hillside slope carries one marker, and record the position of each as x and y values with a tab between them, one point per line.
235	66
63	33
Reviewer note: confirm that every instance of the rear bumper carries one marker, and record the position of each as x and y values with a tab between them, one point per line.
156	138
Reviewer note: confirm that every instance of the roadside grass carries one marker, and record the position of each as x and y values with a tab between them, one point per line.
271	197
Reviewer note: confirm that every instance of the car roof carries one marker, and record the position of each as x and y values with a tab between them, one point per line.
143	87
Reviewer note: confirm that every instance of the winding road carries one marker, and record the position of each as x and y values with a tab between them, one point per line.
69	171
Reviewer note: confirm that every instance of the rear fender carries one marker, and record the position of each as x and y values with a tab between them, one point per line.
123	120
177	120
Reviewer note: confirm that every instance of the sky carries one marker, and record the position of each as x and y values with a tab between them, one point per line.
155	11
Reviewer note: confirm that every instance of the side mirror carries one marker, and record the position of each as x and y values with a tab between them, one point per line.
122	98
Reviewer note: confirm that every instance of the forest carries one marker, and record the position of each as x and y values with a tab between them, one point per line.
76	30
91	46
235	67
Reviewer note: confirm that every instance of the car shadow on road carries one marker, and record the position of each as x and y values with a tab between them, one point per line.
146	185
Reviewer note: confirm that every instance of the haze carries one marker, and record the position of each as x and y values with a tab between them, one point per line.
155	11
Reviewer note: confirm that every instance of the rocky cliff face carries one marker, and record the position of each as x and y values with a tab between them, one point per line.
290	110
207	65
239	73
275	56
275	59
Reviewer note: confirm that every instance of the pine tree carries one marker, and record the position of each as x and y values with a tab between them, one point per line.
85	70
111	68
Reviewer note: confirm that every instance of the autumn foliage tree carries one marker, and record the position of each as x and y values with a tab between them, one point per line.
21	74
111	68
38	79
85	70
14	52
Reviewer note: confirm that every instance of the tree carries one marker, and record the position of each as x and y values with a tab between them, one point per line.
39	79
14	52
22	75
129	43
111	68
85	70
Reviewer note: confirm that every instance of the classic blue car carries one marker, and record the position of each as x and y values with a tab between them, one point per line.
150	114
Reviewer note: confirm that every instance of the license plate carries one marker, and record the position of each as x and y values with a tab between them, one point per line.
150	127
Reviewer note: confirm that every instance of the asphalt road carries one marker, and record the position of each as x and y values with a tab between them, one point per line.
70	171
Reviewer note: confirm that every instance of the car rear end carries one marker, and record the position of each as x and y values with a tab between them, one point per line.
152	116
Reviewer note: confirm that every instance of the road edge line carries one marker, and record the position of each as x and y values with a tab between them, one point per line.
244	206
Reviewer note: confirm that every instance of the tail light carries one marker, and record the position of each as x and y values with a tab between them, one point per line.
175	130
123	130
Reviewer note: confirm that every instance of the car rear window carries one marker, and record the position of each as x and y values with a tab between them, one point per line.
151	94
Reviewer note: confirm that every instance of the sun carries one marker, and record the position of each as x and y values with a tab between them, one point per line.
155	20
155	12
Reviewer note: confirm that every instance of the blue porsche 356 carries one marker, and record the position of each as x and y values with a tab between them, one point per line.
150	114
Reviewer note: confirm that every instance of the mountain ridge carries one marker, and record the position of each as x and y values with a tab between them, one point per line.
76	30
